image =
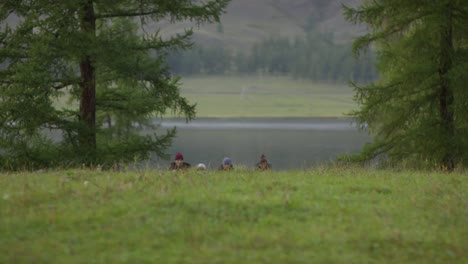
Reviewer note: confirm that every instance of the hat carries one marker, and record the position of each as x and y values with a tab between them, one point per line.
227	161
179	156
201	166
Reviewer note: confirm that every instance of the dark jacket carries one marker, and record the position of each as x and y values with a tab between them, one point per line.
221	168
183	166
263	165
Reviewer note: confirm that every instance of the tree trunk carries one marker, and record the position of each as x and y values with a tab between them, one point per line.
88	85
446	94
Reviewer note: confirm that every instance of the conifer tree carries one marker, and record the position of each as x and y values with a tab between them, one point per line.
104	57
418	110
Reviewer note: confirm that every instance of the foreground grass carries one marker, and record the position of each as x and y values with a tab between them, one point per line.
317	216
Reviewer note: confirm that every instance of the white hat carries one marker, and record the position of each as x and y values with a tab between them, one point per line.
201	166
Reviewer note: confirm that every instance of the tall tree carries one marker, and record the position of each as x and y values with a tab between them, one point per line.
101	55
418	110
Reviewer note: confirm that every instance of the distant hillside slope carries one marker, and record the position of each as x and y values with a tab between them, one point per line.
249	21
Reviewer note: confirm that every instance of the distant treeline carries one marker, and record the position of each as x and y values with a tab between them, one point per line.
315	56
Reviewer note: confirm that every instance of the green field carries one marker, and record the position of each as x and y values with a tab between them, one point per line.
266	96
318	216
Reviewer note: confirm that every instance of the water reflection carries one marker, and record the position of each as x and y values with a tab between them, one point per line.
287	143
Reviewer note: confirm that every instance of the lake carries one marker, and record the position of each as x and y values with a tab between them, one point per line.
288	143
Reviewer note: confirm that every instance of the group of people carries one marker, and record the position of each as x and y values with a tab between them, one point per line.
180	164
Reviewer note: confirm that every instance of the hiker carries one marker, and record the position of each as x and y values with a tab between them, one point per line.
263	164
178	163
226	165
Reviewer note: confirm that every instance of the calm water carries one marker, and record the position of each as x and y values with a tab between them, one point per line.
288	143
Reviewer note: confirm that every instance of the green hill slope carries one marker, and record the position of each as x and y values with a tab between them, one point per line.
247	22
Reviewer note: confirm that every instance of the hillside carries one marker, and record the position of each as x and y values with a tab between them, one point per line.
247	22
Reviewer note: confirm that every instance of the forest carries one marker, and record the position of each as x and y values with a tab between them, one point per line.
315	56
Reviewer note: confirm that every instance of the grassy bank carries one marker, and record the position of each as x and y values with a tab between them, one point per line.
266	96
259	96
317	216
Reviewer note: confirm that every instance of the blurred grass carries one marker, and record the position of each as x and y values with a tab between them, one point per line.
317	216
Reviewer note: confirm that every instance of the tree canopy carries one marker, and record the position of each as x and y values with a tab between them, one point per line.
80	80
418	110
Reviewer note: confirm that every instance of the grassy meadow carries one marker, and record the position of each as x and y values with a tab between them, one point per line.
323	215
266	96
227	96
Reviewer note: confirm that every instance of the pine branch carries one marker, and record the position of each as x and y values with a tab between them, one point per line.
63	84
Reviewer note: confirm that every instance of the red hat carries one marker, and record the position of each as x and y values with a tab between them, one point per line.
179	156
